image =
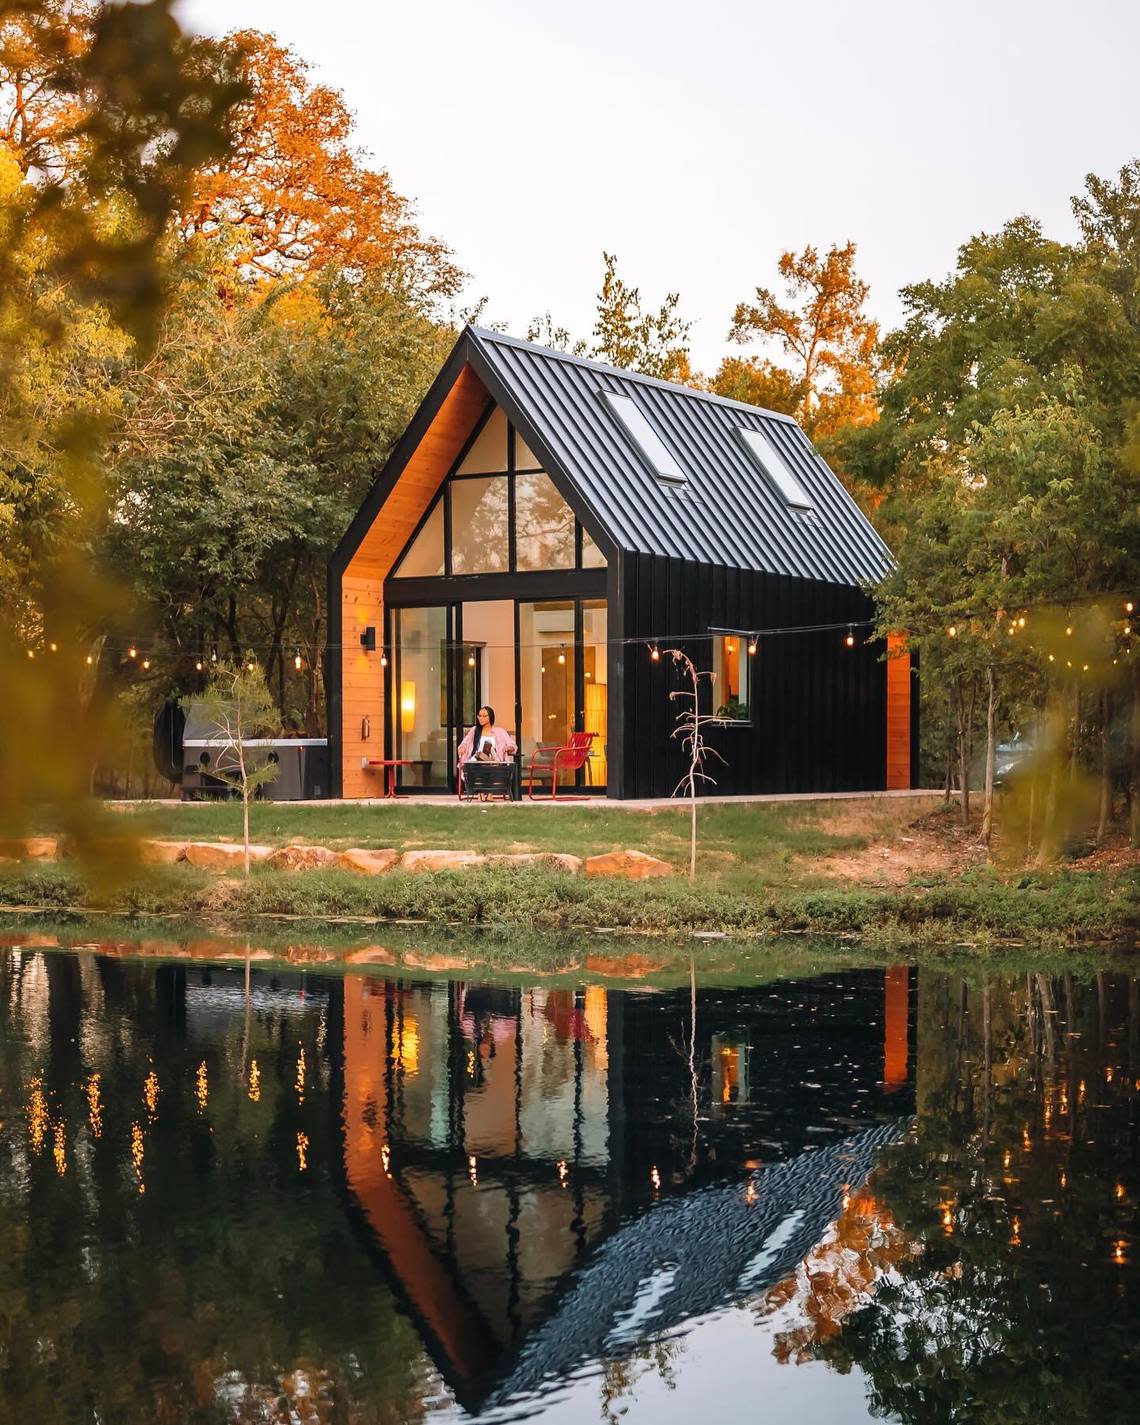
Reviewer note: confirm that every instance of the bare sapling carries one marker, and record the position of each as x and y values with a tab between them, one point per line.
238	708
690	731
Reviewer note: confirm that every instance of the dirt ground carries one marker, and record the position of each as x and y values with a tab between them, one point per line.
936	843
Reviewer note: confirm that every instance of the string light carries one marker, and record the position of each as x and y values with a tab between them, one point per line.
1068	630
850	638
54	647
90	660
198	664
31	652
146	664
655	653
214	656
297	661
132	652
953	630
1128	606
562	655
383	660
471	661
752	648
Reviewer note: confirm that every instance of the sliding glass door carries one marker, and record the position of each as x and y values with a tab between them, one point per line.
420	683
541	664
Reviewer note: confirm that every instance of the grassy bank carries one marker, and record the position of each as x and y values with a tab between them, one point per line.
979	906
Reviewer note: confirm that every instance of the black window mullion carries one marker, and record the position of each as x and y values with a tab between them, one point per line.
511	542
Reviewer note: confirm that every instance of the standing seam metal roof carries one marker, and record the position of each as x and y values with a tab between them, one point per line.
727	512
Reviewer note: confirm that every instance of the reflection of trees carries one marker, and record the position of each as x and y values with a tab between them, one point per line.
231	1289
1018	1299
479	534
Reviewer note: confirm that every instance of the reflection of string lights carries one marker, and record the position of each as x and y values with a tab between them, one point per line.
473	1171
750	1192
1015	1232
59	1148
202	1087
299	1083
302	1151
138	1147
254	1082
1118	1251
563	1172
94	1106
37	1115
386	1159
150	1094
655	1178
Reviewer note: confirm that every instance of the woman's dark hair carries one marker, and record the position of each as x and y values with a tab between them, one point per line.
490	711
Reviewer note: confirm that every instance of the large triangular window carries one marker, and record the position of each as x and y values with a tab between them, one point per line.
424	558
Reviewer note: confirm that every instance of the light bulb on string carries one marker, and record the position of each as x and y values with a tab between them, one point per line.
752	647
146	663
214	656
54	647
383	660
31	652
90	660
1068	630
471	660
198	664
1129	606
654	653
953	630
297	661
132	652
849	640
562	655
1021	621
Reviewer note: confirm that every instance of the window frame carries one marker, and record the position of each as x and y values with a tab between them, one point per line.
776	470
443	495
745	635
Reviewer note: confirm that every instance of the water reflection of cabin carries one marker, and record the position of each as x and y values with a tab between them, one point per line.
542	519
496	1140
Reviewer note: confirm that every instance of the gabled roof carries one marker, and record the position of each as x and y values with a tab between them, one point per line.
726	513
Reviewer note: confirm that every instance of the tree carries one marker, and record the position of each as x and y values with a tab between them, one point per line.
758	382
822	330
690	732
297	194
77	255
654	343
237	707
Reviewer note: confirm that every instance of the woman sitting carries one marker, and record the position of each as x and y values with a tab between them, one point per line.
486	742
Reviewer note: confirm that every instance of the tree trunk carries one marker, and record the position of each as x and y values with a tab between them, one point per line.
1105	769
1134	778
991	727
1055	744
949	751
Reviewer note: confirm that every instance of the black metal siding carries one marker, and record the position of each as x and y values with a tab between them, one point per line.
819	709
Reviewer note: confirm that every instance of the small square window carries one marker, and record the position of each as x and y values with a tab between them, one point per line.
732	677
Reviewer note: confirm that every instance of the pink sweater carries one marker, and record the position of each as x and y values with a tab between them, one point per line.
503	744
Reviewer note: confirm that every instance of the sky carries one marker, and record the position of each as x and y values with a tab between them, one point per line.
699	140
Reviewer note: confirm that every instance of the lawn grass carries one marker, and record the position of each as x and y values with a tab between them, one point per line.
742	844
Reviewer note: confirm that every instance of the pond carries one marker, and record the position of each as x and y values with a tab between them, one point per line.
244	1193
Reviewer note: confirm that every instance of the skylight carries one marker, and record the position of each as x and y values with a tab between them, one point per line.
649	444
775	467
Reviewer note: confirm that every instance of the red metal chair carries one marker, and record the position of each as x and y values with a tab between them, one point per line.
550	758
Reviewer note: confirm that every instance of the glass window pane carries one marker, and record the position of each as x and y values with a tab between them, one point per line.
546	662
419	696
595	684
544	525
489	453
732	670
592	556
639	430
773	464
424	559
489	661
479	526
525	458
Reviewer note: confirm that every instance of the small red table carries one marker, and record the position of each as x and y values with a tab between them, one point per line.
389	764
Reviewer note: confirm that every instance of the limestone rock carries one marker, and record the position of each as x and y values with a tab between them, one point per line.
631	865
368	863
552	860
28	848
212	856
441	860
161	853
625	967
301	858
432	961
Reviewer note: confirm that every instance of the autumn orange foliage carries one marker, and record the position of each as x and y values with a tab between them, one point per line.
295	190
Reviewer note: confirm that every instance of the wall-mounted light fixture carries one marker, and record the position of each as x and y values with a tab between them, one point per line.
368	639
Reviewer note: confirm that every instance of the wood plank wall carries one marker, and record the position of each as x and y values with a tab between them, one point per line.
898	713
362	585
